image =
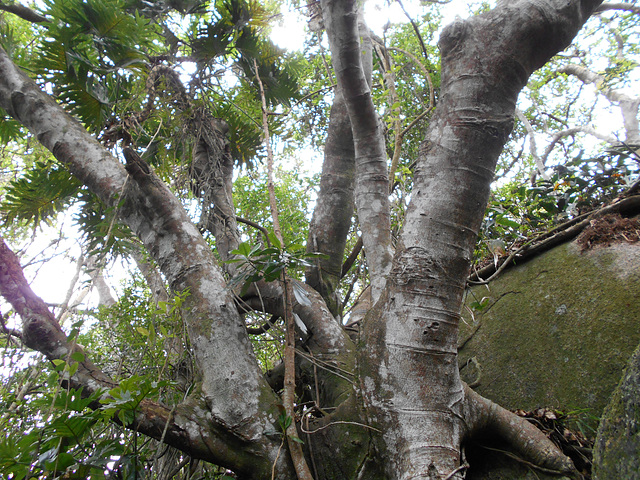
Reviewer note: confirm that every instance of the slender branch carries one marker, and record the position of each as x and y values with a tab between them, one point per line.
289	390
415	29
257	226
618	6
557	235
267	142
533	149
23	12
390	83
348	263
426	73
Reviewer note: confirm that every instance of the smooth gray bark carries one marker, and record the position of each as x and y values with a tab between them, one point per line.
334	209
409	373
332	215
341	19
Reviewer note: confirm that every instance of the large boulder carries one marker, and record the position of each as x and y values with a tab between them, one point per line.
555	332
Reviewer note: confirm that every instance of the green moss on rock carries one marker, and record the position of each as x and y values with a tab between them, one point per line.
556	331
617	448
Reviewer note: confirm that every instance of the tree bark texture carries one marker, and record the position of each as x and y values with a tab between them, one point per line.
403	413
409	372
372	182
332	214
334	209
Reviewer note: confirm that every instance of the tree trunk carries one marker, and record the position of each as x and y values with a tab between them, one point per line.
395	405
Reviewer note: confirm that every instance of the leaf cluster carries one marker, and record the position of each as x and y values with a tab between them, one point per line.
518	211
87	51
268	264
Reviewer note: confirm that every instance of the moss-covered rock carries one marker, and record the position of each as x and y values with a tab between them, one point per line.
617	447
554	332
557	331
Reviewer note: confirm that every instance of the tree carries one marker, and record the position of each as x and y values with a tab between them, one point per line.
387	405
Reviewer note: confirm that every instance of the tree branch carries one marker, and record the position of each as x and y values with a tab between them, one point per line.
23	12
148	207
522	435
372	183
618	6
42	332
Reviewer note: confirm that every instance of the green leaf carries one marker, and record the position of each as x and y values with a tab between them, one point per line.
507	223
78	357
274	240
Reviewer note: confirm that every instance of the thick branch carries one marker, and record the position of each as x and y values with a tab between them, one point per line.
372	184
332	215
412	336
42	332
23	12
146	205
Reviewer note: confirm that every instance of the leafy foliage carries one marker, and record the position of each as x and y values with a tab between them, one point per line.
268	264
85	51
43	191
518	211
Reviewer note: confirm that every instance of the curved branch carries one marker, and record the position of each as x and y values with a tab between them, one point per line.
572	131
148	207
415	29
628	105
264	328
525	438
42	332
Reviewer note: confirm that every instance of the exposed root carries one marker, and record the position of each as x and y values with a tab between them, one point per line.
531	445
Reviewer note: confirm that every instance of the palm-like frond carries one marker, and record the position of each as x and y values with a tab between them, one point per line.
44	190
86	51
